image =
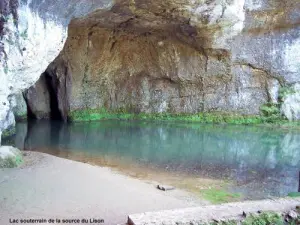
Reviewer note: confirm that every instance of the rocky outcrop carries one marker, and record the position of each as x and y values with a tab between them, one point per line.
191	57
32	33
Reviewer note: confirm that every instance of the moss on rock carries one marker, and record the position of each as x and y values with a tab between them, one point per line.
10	157
8	132
211	118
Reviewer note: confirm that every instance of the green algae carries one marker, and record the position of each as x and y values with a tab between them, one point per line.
210	118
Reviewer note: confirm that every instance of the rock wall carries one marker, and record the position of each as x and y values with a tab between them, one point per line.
291	104
148	56
180	57
32	33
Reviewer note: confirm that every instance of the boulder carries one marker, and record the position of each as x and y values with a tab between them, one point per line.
10	157
163	187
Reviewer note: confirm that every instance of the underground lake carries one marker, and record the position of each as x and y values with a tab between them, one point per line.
220	163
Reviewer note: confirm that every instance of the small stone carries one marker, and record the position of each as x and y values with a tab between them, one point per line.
292	214
165	187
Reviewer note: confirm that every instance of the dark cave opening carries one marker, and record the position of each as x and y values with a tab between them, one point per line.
51	83
48	98
42	99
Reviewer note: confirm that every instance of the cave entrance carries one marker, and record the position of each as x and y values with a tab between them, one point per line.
51	84
49	98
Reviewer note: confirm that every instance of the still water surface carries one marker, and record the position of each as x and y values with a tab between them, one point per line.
253	161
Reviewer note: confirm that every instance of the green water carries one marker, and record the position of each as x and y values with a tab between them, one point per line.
258	162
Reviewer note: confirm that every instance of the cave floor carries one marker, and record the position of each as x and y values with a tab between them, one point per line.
47	187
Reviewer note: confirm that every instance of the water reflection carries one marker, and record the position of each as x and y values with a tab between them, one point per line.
261	161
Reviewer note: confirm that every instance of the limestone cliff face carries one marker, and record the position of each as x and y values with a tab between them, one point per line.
179	57
270	45
149	56
32	33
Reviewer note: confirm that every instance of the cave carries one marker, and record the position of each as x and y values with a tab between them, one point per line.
148	59
48	98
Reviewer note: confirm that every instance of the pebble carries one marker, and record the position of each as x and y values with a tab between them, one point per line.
292	214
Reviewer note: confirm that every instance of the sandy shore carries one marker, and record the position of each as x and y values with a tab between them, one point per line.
50	187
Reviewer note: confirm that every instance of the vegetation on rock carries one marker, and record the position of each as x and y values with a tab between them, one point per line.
8	132
269	117
284	92
265	218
